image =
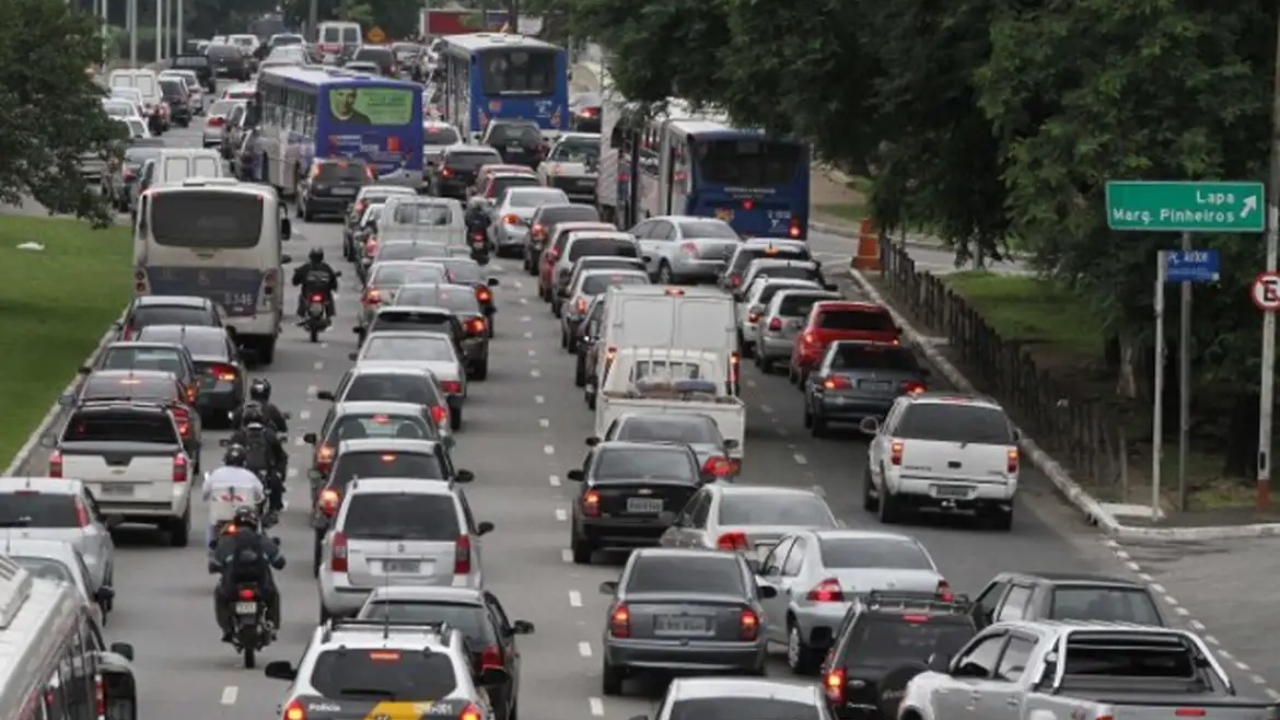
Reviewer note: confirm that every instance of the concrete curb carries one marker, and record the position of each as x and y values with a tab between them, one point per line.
852	233
1091	508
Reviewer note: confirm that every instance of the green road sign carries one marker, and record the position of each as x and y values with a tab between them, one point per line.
1186	206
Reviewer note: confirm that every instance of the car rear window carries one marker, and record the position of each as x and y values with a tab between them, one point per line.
169	315
775	509
709	229
391	388
426	348
598	283
847	552
406	251
671	428
878	321
736	708
770	289
799	304
36	509
111	426
143	359
661	573
955	422
197	343
378	674
472	620
386	464
343	172
1130	605
644	464
500	184
789	253
602	246
521	197
850	356
423	214
464	273
406	274
793	272
525	134
402	516
569	213
379	425
472	160
889	641
127	387
438	135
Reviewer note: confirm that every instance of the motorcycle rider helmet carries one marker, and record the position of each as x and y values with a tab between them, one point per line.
235	456
246	518
260	390
316	255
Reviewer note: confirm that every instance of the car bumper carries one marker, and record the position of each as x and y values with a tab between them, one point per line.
511	235
937	491
329	203
818	623
685	655
621	532
220	399
697	270
774	347
851	408
148	510
340	597
475	350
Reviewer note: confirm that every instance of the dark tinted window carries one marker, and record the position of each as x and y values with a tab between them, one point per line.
522	197
771	289
406	251
502	133
369	425
596	284
849	356
707	229
122	387
872	553
373	675
127	358
691	573
173	88
601	246
855	320
109	426
392	388
38	510
954	422
402	516
472	159
169	315
519	72
1131	605
224	52
461	301
1110	656
890	641
671	428
356	465
440	135
383	57
191	62
343	172
385	275
197	343
736	708
783	253
748	163
472	620
206	219
775	509
568	213
795	272
501	183
644	464
799	304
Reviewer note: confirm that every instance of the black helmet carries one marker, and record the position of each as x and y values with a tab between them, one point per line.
260	390
316	255
245	517
235	456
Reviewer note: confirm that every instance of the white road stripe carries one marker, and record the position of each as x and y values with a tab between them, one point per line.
562	515
229	694
597	706
544	422
549	449
555	480
575	599
566	555
801	459
304	415
539	399
584	649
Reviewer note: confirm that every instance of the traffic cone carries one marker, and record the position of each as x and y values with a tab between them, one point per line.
868	255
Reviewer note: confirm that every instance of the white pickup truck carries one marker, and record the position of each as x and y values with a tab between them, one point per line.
671	380
131	457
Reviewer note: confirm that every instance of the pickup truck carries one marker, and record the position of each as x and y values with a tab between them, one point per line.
429	219
669	380
131	458
1072	670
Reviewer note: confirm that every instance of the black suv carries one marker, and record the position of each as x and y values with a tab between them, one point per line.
175	93
228	61
457	170
519	142
885	640
200	64
1065	596
331	186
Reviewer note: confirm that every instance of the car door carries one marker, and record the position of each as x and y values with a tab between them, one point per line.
510	649
775	608
1002	695
972	669
658	247
99	541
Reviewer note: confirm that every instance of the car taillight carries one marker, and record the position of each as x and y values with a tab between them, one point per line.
718	466
775	324
371	297
944	591
591	503
190	392
748	624
471	712
511	219
735	362
247	593
180	464
620	622
476	326
324	458
462	555
339	561
836	382
315	172
446	173
99	695
451	387
826	591
128	174
581	306
809	337
911	387
833	685
294	711
895	452
732	541
491	657
183	419
484	295
216	122
689	248
1011	460
539	232
55	464
440	414
753	316
127	333
317	298
225	373
329	500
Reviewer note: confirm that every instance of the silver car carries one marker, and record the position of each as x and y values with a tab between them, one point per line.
739	697
436	136
572	165
385	278
751	308
398	531
60	561
215	124
817	573
419	349
583	243
590	284
783	318
747	519
509	229
63	510
686	249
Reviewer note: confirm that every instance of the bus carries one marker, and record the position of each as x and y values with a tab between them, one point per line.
307	113
220	239
54	664
704	167
495	75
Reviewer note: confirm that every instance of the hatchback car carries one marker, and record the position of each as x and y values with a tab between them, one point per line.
223	377
331	185
64	510
512	216
752	250
431	352
546	222
519	142
392	383
580	244
781	321
147	310
461	300
858	379
368	419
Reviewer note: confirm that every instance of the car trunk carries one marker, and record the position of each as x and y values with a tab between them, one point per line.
679	616
760	538
642	499
863	580
955	461
873	383
716	249
401	539
122	471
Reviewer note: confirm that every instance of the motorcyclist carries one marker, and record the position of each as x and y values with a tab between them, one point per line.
316	276
477	220
264	452
260	394
230	488
245	557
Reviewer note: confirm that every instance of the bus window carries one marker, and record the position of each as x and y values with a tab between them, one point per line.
748	163
206	219
519	72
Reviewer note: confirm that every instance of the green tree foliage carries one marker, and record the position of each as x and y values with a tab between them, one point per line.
50	113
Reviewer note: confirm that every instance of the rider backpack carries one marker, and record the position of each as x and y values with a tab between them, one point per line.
246	559
257	448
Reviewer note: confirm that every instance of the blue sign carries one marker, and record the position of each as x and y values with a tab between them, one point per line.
1192	266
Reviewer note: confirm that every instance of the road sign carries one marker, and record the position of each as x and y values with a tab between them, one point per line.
375	35
1192	266
1266	291
1186	206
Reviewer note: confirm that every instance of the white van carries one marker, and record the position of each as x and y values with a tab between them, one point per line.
219	239
176	165
147	83
338	38
417	217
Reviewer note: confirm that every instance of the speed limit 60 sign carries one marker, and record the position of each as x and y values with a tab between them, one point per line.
1266	291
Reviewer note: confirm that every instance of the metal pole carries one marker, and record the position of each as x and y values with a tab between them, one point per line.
1157	418
1184	382
1266	393
178	29
159	30
168	27
132	10
313	12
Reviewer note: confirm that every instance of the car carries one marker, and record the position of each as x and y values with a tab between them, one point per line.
393	383
366	197
512	214
241	91
554	268
216	121
466	271
715	454
557	234
585	243
747	519
629	494
163	356
62	562
156	387
457	169
774	269
586	108
477	613
818	572
751	250
585	345
463	303
62	510
682	609
518	141
383	59
372	419
467	332
687	698
684	249
175	93
832	320
1015	595
780	323
572	165
405	250
364	241
481	181
120	183
857	379
406	531
964	457
588	285
497	184
330	186
546	221
755	297
228	61
437	135
587	263
435	353
223	377
146	310
385	279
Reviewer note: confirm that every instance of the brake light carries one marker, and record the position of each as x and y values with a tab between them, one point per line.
735	361
180	465
673	292
127	333
491	657
775	324
183	419
216	122
591	503
753	316
451	387
55	464
476	326
539	232
620	622
748	204
317	298
718	466
371	297
190	392
511	219
329	500
826	591
462	555
748	624
809	337
794	231
440	415
484	295
689	248
246	594
912	387
294	711
581	305
324	458
227	373
82	514
836	382
99	695
471	712
447	173
732	541
1189	712
833	685
915	619
339	561
895	452
944	592
1011	462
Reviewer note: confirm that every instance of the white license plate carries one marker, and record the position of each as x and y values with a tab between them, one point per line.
950	491
644	505
401	566
117	489
679	625
877	385
344	191
316	309
246	608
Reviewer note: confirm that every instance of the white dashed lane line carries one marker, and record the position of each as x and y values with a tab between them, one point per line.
566	555
584	649
543	422
555	480
562	515
230	694
575	599
549	449
597	706
539	399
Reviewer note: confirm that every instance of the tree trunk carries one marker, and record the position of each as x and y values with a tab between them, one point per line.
1127	375
1242	439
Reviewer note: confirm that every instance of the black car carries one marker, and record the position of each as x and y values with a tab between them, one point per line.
167	310
585	110
222	375
118	185
175	93
857	379
331	186
589	332
381	56
465	271
885	640
457	170
228	61
1065	596
519	142
200	65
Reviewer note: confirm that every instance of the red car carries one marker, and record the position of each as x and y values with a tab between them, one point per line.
838	320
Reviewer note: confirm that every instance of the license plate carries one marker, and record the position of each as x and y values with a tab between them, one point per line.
344	191
950	491
246	608
117	489
679	625
316	309
401	566
644	505
877	385
586	184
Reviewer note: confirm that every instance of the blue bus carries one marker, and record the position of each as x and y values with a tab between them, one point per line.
496	75
706	168
307	113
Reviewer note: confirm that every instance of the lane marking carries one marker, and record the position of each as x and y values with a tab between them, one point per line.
1211	639
292	472
304	415
751	383
319	365
1243	667
584	649
1132	566
597	706
575	599
535	373
1258	679
525	318
1158	588
518	284
566	555
528	336
524	301
555	480
1196	625
766	409
782	432
562	515
1122	554
539	399
311	391
299	442
1274	695
1182	611
532	352
800	459
549	449
544	422
229	694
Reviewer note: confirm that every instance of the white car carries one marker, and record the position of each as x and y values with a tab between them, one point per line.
121	109
240	91
136	126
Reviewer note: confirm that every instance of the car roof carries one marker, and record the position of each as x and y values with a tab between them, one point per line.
400	445
171	301
356	370
377	407
645	446
714	687
413	592
394	309
130	373
42	485
944	397
183	330
400	486
668	552
145	345
1066	578
594	272
847	533
33	547
731	490
591	234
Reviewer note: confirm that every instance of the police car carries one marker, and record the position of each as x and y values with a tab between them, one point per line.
383	670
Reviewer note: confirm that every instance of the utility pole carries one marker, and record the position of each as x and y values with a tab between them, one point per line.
313	21
131	12
159	30
1267	390
178	29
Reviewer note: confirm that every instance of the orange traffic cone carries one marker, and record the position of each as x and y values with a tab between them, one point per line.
868	255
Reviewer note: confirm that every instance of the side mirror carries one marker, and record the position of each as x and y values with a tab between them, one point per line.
939	662
494	676
352	356
325	395
464	476
286	259
522	627
493	282
731	444
124	650
593	441
66	400
609	587
869	425
309	438
576	475
767	591
48	441
280	670
484	528
104	595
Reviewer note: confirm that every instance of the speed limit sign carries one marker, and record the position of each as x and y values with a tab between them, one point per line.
1266	292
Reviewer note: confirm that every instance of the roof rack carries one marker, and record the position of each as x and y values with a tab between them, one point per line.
905	600
386	627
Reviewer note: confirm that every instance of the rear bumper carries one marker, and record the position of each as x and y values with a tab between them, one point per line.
925	492
329	203
774	347
697	270
620	532
134	509
685	655
849	408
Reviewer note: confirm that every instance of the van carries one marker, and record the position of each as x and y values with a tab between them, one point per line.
147	83
340	39
174	165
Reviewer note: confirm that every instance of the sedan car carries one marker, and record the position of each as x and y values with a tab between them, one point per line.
817	573
738	697
63	510
120	183
215	123
61	562
223	377
747	519
467	329
431	352
164	356
466	271
464	303
572	165
147	310
686	249
373	419
511	216
683	610
716	454
546	221
389	383
384	282
857	379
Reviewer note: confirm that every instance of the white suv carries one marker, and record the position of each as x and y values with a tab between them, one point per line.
350	666
944	450
398	531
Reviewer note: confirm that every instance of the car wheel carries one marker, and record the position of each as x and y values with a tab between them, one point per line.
580	372
869	502
481	370
611	678
664	274
455	419
888	507
800	657
582	551
180	529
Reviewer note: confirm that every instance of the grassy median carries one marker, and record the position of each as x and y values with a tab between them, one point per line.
55	304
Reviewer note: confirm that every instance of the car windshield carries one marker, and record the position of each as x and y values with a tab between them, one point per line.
856	356
739	708
756	508
656	463
391	388
693	429
128	358
342	171
1110	604
872	552
663	573
378	425
472	160
597	283
401	516
426	348
45	568
472	620
956	422
530	197
383	675
707	229
386	464
35	509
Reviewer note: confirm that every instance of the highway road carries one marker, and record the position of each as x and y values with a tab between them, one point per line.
525	429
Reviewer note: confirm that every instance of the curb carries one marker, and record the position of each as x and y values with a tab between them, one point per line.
852	234
1091	508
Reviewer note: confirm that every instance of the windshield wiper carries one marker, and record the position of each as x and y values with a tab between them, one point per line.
378	692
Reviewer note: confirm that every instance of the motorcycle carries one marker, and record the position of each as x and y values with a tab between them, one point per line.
269	517
251	631
317	319
479	248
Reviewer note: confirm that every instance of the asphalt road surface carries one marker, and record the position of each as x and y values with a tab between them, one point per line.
525	429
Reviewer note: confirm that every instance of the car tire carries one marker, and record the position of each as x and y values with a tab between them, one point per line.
611	678
179	529
664	274
455	419
580	372
582	551
802	659
869	501
889	512
481	370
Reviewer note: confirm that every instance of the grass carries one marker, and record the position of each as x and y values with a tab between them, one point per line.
1033	311
56	304
852	212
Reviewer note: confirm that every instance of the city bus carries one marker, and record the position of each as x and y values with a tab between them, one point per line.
707	168
495	75
307	113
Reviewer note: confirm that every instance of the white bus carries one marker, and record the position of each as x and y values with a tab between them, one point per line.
53	663
219	239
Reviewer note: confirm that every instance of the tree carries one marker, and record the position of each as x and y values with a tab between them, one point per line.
50	114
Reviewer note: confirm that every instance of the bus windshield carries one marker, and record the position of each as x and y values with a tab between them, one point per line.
518	71
748	163
206	219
